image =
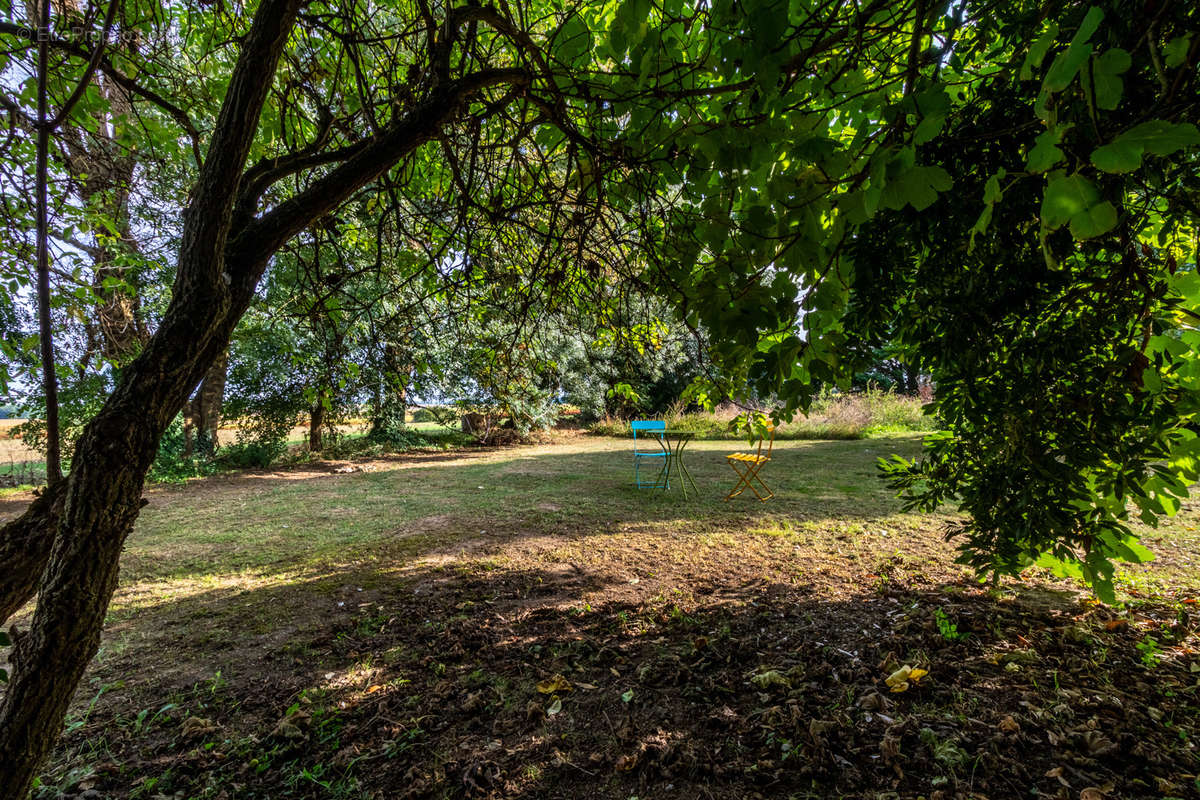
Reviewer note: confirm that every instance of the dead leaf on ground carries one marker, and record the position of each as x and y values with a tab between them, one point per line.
901	679
626	763
197	726
555	683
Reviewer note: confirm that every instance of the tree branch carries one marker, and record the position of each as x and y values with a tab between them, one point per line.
260	238
119	78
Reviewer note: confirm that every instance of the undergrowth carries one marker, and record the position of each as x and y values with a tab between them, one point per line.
832	416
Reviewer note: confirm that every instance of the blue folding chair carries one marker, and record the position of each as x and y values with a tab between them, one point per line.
657	458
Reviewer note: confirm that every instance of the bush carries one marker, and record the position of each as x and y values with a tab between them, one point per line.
172	463
433	414
397	441
832	416
261	440
251	453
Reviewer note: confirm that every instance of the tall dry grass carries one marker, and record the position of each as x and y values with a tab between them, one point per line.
832	416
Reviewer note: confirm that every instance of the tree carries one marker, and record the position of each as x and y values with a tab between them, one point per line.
225	246
735	157
1056	312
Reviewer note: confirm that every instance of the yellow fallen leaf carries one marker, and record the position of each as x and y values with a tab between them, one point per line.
555	683
373	689
901	679
898	680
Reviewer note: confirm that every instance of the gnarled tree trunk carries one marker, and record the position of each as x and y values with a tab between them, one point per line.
224	250
103	492
203	414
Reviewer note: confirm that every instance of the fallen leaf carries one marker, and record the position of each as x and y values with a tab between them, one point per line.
1091	793
1057	773
554	708
901	679
287	729
197	726
626	763
373	688
555	683
769	678
1009	725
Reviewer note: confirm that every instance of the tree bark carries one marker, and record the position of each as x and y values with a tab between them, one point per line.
222	256
25	548
204	410
316	423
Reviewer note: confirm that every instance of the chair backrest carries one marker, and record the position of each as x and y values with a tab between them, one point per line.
770	439
646	425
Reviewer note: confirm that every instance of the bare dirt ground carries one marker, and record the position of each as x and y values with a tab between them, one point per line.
522	623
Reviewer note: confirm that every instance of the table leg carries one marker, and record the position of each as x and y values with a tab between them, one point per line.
685	476
663	480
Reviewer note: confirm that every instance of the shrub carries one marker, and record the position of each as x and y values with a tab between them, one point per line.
439	414
172	463
832	416
251	453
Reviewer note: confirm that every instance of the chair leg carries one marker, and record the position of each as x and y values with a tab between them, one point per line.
745	481
741	484
657	483
754	475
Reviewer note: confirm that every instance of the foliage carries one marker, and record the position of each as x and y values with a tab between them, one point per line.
172	463
252	452
854	415
79	399
1058	323
431	414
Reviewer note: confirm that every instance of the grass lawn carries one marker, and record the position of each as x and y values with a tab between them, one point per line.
523	623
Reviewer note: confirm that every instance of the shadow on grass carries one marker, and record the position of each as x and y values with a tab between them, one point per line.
413	505
476	680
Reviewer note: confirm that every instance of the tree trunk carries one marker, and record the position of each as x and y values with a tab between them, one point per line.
391	404
25	548
316	423
224	249
103	492
205	408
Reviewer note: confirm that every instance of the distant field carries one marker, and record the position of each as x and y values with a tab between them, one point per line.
13	449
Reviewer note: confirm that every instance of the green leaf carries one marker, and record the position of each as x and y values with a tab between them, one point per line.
918	187
1066	64
928	128
1106	81
1065	197
1046	152
574	40
1156	137
1176	50
1094	221
1038	50
1118	156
